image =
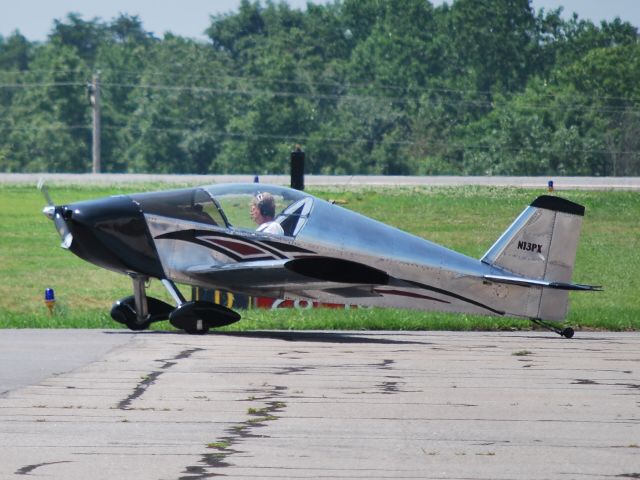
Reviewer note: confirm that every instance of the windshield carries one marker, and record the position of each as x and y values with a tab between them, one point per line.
194	204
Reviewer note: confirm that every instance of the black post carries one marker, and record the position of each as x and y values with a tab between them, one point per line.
297	169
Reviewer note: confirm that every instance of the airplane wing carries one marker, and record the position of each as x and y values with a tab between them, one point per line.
314	272
255	274
327	279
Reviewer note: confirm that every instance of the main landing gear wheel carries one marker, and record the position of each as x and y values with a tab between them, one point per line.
123	311
153	310
196	317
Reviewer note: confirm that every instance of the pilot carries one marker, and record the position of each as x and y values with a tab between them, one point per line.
263	209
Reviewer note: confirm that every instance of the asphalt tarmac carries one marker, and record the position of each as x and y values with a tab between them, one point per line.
30	356
428	405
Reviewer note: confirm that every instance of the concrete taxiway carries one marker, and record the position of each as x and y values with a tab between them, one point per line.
339	181
429	405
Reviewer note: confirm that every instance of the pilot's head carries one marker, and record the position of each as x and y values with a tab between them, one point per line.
263	208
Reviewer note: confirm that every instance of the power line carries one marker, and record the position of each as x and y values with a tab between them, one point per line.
307	138
338	97
415	91
41	84
349	85
351	97
350	141
47	128
48	72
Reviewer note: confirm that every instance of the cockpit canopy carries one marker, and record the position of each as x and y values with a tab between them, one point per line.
228	206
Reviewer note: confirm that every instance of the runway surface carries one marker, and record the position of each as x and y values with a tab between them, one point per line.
339	181
428	405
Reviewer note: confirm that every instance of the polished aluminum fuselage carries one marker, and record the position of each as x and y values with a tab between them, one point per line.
207	237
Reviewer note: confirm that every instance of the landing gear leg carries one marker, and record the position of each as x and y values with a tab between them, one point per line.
566	332
140	297
133	311
173	291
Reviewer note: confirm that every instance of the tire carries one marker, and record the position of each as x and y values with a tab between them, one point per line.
123	312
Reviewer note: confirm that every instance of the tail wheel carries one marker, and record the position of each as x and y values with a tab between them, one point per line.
566	332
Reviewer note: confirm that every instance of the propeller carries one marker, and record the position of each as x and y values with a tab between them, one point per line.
55	213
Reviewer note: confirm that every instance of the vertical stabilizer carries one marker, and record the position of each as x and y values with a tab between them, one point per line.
541	244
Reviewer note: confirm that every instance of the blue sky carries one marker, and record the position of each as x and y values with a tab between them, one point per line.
34	18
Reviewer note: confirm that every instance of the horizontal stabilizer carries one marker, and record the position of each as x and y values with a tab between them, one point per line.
529	282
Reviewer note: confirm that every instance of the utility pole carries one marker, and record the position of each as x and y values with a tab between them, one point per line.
94	99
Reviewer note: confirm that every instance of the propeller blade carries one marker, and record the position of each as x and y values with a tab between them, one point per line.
63	229
45	191
55	213
67	237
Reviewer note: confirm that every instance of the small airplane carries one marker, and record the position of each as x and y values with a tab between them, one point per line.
204	237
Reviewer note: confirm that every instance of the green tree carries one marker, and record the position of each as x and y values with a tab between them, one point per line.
49	118
493	41
15	54
365	86
609	77
82	35
181	109
120	61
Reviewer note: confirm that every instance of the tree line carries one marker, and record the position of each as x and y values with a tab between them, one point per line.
363	86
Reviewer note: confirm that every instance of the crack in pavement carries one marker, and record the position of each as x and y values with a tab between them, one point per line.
151	378
26	470
237	433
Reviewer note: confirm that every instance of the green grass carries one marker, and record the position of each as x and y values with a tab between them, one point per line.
466	219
